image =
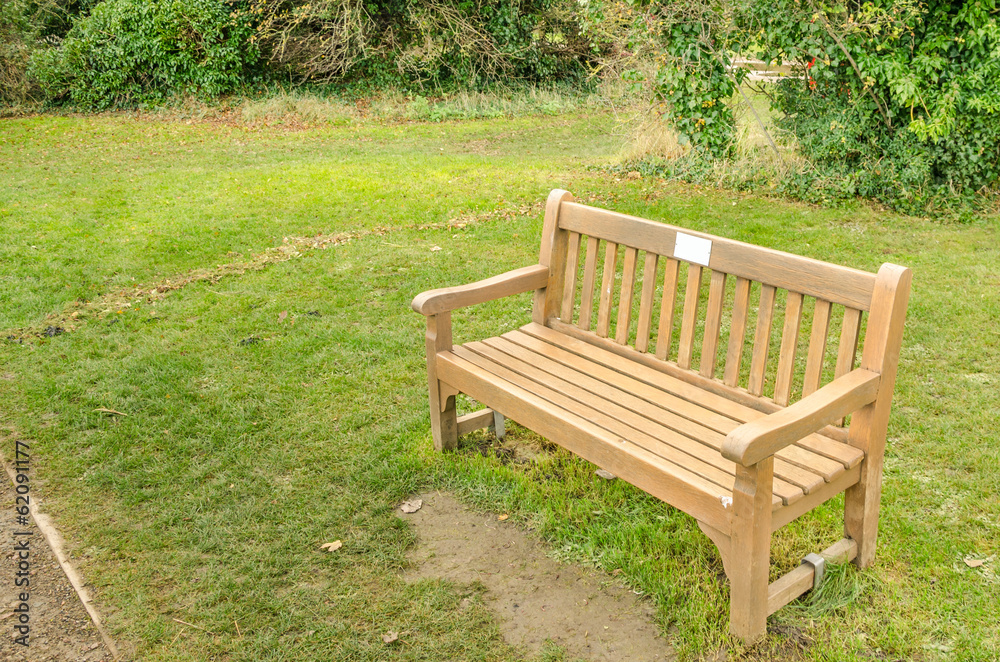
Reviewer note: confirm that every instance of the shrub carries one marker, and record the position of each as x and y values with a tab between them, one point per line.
26	26
896	100
901	103
131	52
467	45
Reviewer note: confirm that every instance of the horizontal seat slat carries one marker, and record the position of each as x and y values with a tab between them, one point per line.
624	388
846	455
687	435
480	355
834	283
690	410
628	409
664	480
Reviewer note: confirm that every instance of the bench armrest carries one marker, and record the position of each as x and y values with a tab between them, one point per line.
752	442
445	299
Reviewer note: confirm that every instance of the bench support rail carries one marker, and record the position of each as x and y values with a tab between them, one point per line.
484	418
803	578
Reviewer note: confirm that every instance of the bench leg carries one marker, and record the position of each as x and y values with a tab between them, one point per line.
861	509
444	418
861	500
750	554
444	421
499	425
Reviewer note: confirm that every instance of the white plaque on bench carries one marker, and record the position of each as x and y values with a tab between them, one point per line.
693	249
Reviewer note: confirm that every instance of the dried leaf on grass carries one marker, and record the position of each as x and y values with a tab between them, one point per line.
503	517
974	563
606	475
412	505
390	637
332	546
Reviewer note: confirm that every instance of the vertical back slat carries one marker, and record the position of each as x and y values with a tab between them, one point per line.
607	282
666	327
569	289
691	296
848	349
737	332
589	275
762	340
625	300
713	324
646	302
789	343
817	347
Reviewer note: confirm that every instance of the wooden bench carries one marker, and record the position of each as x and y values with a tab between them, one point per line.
657	388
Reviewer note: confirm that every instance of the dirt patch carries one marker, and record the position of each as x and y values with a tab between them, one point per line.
60	628
535	598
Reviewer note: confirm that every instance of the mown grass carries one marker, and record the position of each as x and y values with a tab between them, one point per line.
273	411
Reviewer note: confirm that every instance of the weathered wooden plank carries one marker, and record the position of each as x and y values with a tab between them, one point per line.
646	302
789	346
814	453
664	480
798	581
713	324
685	384
589	277
618	420
607	286
572	267
737	332
477	420
848	287
848	349
552	254
666	328
658	392
625	298
883	337
655	418
817	347
689	320
761	340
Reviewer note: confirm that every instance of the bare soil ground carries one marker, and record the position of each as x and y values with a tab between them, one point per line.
60	628
589	614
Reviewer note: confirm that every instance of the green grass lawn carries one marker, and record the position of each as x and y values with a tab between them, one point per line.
274	408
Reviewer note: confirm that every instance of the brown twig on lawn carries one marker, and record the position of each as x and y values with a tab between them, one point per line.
105	410
196	627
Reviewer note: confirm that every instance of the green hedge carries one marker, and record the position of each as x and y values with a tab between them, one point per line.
131	52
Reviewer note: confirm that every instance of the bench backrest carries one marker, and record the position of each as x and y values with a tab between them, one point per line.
720	312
